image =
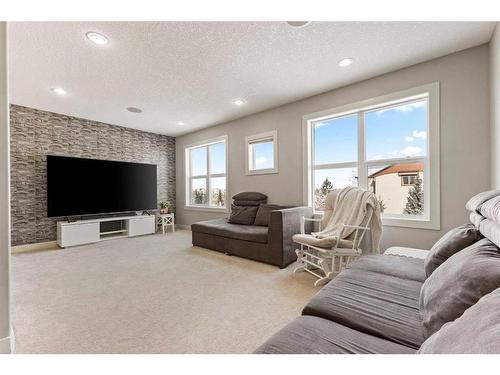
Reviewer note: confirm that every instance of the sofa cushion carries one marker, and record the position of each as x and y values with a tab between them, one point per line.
327	242
249	196
474	204
491	209
491	230
313	335
392	265
452	242
243	215
220	227
458	284
249	203
264	213
374	303
476	218
480	322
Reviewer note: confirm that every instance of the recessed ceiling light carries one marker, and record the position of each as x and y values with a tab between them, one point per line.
345	62
298	23
180	123
134	109
58	91
238	101
96	38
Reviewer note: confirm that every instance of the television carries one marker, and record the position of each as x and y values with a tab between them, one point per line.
78	186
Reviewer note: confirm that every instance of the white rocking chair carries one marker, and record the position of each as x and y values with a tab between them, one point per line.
327	262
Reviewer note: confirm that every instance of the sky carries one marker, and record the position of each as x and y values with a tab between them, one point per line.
217	165
395	132
264	155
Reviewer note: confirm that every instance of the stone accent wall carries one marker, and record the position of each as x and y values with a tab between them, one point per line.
36	134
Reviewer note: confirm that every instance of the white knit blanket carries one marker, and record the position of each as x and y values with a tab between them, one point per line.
351	207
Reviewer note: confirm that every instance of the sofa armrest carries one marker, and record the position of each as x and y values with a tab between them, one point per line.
304	220
283	224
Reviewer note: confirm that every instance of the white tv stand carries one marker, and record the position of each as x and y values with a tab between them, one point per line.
88	231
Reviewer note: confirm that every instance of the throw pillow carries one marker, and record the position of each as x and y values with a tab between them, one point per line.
477	331
452	242
239	202
242	215
458	284
250	196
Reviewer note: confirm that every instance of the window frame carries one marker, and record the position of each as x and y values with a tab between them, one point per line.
208	176
431	173
249	156
409	175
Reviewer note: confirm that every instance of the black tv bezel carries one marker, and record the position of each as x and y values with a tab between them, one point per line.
107	213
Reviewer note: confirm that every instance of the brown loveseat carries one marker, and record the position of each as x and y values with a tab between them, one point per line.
271	243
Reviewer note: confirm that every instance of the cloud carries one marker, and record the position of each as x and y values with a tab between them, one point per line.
416	134
404	108
411	151
411	107
261	160
320	124
419	134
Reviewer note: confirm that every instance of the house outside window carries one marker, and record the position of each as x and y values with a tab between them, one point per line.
389	145
206	175
392	186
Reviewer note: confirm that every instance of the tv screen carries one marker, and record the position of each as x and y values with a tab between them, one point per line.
77	186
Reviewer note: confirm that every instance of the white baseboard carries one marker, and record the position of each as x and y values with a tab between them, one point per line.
5	345
50	245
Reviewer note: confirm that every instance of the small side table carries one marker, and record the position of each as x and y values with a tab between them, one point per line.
165	220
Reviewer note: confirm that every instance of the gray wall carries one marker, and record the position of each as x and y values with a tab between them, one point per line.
465	144
4	198
35	134
495	107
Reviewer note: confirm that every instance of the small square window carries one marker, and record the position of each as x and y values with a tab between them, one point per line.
262	153
408	180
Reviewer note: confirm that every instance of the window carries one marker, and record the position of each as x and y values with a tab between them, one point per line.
389	145
262	153
408	179
206	177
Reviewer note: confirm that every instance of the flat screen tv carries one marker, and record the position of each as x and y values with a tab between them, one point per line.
77	186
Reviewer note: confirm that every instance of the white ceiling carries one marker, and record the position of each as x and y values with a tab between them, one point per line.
191	71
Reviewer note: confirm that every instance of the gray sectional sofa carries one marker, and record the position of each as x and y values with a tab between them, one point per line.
267	240
445	303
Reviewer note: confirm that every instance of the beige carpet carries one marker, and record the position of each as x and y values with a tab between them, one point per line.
152	294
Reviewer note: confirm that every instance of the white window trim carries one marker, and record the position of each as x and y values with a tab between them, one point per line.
188	177
268	136
432	160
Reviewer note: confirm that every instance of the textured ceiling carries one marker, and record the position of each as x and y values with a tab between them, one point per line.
191	71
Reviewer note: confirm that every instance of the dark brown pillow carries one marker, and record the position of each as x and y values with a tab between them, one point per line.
250	196
452	242
264	213
458	284
249	203
244	215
